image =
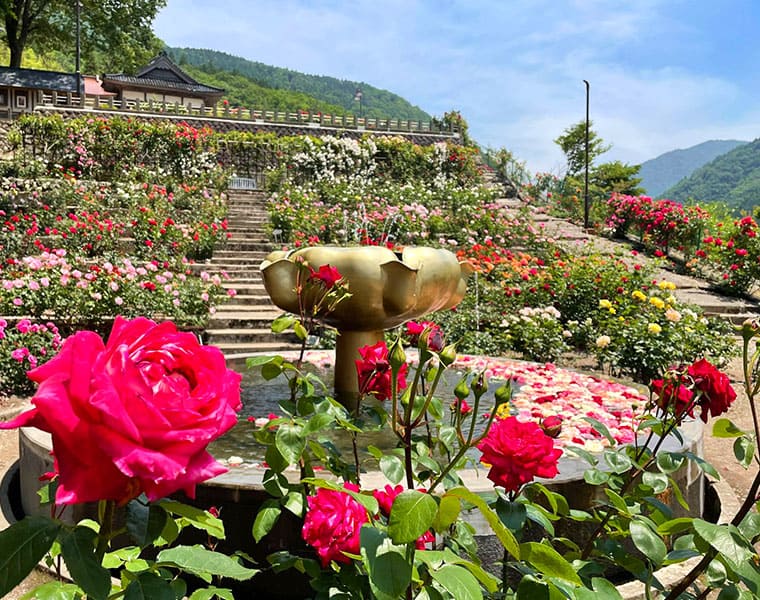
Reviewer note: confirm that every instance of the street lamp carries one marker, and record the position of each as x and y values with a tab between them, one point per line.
358	97
585	187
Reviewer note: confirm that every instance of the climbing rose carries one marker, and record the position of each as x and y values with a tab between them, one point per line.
517	452
333	524
717	393
134	415
326	275
374	371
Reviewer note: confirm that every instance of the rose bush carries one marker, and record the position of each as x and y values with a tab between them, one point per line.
133	415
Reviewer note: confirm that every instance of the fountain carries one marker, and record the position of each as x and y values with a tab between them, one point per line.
387	289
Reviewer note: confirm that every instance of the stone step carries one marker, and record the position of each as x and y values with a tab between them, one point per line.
239	335
239	245
255	319
274	345
247	299
735	318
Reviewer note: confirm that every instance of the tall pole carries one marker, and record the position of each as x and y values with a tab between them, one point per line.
79	40
585	186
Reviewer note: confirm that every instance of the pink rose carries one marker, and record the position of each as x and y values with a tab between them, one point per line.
134	415
517	452
374	371
333	524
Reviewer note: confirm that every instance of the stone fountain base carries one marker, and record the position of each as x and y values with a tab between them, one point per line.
239	493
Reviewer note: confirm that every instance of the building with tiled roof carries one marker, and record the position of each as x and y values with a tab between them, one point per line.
161	80
22	89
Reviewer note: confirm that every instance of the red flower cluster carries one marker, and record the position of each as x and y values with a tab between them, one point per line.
518	452
702	384
333	524
374	371
434	339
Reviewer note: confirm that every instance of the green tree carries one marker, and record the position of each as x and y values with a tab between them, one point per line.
573	144
616	177
116	34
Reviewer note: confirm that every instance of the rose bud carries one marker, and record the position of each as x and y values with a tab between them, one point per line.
551	426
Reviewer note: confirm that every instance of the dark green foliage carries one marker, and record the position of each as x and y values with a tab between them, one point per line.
338	92
733	178
665	171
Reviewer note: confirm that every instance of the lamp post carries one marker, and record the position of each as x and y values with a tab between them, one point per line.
358	96
585	186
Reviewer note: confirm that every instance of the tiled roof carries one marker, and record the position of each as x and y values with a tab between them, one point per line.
198	88
43	80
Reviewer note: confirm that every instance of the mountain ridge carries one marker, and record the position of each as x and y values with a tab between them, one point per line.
668	169
329	91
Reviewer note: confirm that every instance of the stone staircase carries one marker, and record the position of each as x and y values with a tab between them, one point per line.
241	325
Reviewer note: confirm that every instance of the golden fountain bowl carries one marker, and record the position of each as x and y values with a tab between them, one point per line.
387	288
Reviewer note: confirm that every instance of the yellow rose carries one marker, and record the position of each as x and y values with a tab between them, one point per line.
654	328
657	302
638	295
604	303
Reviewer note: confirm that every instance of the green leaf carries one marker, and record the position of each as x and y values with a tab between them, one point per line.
256	361
22	546
458	581
506	537
271	371
283	322
703	464
318	422
725	428
200	519
646	540
266	518
601	428
657	481
78	550
512	514
619	462
744	450
675	526
145	522
448	512
389	571
550	562
392	468
531	589
595	477
55	590
290	442
412	514
584	454
726	539
204	563
618	502
149	586
212	592
294	502
300	330
750	525
669	462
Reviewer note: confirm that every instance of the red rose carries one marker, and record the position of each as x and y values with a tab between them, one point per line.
517	452
326	275
134	415
374	371
333	524
717	393
671	392
386	496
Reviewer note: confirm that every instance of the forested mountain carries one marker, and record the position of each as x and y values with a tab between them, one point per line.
663	172
209	66
733	178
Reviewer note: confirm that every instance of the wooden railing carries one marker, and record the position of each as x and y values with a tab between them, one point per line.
275	117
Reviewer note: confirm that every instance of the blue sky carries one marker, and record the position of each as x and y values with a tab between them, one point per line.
664	74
